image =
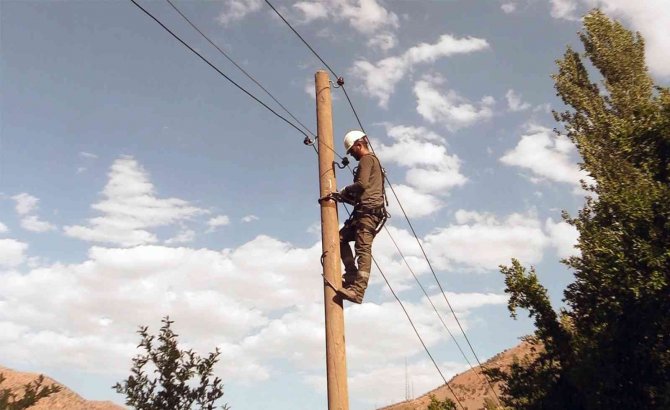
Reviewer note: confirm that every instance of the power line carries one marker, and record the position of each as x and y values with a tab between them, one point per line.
249	76
411	322
320	59
417	334
217	70
437	312
292	125
394	194
428	297
300	37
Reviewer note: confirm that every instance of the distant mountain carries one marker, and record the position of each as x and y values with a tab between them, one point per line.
470	386
65	399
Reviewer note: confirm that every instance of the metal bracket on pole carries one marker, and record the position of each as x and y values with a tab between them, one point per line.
327	282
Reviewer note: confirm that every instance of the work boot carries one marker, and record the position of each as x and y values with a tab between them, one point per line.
361	283
350	295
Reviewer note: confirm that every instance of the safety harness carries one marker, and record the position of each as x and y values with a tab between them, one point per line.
381	211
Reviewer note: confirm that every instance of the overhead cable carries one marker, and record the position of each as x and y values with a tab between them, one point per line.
411	322
392	190
249	76
217	70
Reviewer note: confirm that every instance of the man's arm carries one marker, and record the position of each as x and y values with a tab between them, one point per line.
362	181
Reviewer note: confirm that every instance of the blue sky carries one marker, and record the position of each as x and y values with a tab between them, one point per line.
135	182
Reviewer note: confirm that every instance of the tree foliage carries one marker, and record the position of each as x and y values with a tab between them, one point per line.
32	393
446	404
182	378
610	347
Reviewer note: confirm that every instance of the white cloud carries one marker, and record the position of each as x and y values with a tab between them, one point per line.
563	237
546	108
514	101
463	216
87	319
449	109
249	218
235	10
395	269
12	252
547	156
383	41
217	221
3	228
130	207
88	155
34	224
482	242
365	16
25	203
184	236
410	148
508	7
311	11
431	169
415	203
565	9
437	180
381	78
213	297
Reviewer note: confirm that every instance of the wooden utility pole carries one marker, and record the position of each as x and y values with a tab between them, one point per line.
336	360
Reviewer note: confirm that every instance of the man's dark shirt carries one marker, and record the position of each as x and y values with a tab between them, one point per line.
367	189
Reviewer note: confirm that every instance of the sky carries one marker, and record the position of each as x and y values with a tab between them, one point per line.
136	182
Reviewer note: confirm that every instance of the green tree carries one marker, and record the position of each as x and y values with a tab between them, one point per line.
610	347
174	387
435	404
32	393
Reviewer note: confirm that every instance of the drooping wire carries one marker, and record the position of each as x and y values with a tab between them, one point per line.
396	197
217	70
427	297
285	120
411	322
444	294
300	37
320	59
402	256
249	76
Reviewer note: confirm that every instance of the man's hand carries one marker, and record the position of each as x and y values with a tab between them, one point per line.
333	196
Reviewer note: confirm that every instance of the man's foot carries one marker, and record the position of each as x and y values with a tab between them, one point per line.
350	295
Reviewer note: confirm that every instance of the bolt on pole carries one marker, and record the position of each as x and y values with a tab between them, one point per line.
336	361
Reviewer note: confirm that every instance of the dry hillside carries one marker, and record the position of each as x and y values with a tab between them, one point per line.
469	386
64	399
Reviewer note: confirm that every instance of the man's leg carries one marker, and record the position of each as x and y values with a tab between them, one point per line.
365	234
348	234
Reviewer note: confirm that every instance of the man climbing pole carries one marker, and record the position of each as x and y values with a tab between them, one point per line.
366	194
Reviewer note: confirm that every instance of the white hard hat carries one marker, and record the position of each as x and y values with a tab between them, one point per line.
350	138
